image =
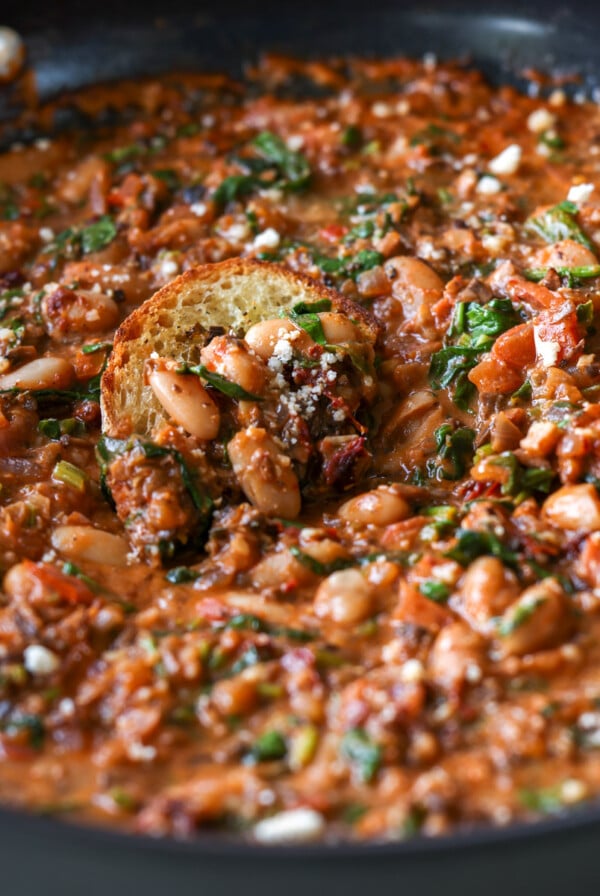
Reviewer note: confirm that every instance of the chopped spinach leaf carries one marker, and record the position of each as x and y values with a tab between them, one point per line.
294	170
33	724
472	544
522	481
351	136
235	187
315	566
450	367
269	746
455	446
221	383
560	223
181	575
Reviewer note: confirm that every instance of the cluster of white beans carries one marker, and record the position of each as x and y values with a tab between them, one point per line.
84	312
264	472
347	597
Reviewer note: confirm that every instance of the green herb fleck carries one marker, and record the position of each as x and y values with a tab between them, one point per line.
269	746
362	753
560	223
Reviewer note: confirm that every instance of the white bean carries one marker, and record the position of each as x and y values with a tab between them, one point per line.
264	336
230	358
574	507
414	284
185	399
43	373
345	597
378	507
86	543
338	328
265	474
540	618
67	311
487	590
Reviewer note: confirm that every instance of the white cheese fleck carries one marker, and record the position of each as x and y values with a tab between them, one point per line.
168	267
580	192
473	673
274	194
198	209
547	352
66	707
295	142
557	98
412	671
493	243
293	826
237	233
381	110
507	161
46	234
268	239
593	738
487	185
282	351
39	660
427	250
573	791
589	720
139	752
267	797
541	120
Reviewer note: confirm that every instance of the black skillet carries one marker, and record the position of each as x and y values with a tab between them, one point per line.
76	43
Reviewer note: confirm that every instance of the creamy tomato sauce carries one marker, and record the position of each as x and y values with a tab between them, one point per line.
412	644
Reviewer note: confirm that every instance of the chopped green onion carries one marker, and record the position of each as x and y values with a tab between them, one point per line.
269	746
519	615
69	474
363	753
438	592
181	575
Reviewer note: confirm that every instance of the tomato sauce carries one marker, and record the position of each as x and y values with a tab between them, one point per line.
416	649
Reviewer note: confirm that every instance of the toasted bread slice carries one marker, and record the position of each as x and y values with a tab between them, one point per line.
175	323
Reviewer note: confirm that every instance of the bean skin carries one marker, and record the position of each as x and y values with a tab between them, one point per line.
86	543
43	373
230	358
265	474
185	400
378	507
345	597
